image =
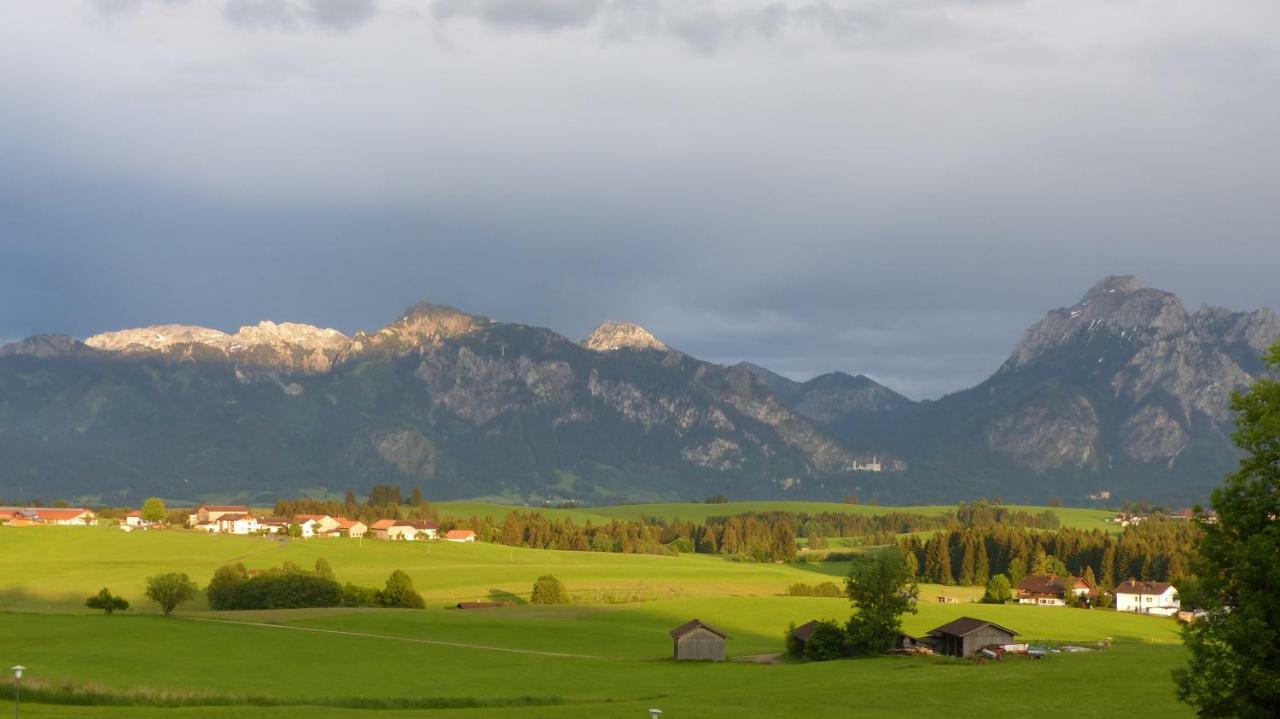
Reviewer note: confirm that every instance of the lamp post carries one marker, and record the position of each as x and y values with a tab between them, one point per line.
655	713
17	692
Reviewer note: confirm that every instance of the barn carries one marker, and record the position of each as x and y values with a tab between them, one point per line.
698	641
967	636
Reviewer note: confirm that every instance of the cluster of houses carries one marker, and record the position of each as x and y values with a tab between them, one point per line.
1128	519
239	519
1144	597
50	516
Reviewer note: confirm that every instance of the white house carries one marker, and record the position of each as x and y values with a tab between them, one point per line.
237	524
1147	598
134	519
459	535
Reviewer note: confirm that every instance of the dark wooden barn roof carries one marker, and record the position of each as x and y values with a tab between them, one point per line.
693	624
967	625
804	631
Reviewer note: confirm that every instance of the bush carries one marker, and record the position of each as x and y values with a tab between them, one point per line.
548	590
106	601
399	592
825	589
357	596
170	590
795	647
998	590
828	641
286	588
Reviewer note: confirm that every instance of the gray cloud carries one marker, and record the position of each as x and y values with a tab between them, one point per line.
529	14
291	14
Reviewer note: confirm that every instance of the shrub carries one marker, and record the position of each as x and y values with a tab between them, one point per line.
169	590
795	647
226	587
357	596
998	590
399	592
548	590
828	641
106	601
289	587
825	589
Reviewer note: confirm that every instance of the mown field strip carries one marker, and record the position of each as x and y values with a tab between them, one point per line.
366	635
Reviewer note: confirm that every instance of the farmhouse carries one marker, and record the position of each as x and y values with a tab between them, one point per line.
273	525
236	524
1051	590
353	528
1147	598
698	641
64	516
313	524
967	636
403	529
213	512
459	535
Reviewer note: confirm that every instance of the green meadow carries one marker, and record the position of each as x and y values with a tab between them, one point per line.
606	655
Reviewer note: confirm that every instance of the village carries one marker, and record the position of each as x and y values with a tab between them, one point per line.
241	520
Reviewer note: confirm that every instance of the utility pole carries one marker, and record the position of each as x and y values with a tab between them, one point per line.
17	692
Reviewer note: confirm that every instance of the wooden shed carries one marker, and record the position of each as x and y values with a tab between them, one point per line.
967	636
698	641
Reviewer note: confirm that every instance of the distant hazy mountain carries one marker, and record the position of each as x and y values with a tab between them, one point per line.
848	405
455	403
1124	391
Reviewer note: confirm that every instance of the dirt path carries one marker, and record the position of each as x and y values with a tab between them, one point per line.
391	637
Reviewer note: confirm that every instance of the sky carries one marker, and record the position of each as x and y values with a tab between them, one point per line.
889	187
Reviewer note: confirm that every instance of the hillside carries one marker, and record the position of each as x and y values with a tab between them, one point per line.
1123	395
454	403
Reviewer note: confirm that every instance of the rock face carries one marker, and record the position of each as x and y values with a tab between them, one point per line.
614	335
451	402
1124	390
287	347
45	347
846	404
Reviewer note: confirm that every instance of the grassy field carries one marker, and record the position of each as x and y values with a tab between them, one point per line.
699	512
582	660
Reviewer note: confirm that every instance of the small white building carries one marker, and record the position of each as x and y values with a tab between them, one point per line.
459	535
1147	598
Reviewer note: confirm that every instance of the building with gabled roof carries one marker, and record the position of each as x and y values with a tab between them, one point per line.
696	640
1146	597
967	636
1051	590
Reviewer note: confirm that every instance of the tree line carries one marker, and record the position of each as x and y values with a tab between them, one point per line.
292	587
1153	550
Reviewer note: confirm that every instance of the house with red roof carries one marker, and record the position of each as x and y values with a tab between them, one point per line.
459	535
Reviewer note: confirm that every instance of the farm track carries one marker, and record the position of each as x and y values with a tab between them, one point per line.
392	637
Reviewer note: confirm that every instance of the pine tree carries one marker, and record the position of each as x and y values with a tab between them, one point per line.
983	571
968	561
1109	566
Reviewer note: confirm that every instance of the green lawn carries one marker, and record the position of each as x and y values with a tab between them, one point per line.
596	660
699	512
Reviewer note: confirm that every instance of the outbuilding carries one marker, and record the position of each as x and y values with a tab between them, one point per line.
967	636
698	641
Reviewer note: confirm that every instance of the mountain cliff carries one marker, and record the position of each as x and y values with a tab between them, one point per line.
455	403
1124	391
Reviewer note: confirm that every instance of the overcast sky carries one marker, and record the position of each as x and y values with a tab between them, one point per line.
891	187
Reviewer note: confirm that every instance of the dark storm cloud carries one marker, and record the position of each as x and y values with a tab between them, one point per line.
891	187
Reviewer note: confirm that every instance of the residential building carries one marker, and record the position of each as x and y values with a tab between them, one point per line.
63	516
1051	590
214	512
1147	598
459	535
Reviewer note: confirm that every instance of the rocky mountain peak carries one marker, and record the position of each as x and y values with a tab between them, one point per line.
1119	305
615	335
286	347
45	347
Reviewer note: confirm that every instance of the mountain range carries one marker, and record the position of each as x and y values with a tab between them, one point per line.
1123	395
